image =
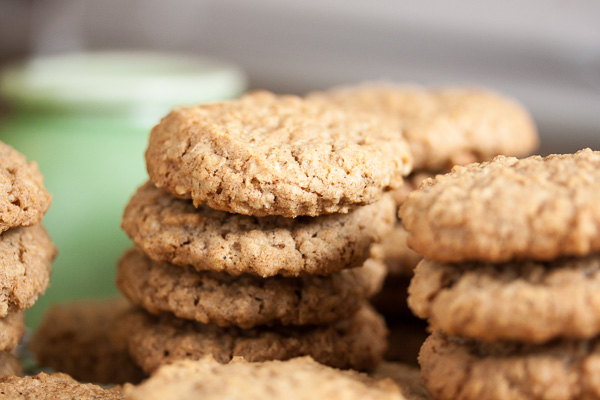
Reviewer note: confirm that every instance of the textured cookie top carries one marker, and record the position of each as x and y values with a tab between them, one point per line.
79	338
275	155
26	255
535	208
298	378
57	386
12	328
357	342
529	302
23	198
445	127
246	300
467	370
173	230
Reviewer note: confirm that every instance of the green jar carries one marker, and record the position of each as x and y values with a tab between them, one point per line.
85	119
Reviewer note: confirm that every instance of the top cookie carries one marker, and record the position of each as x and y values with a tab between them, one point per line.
276	155
298	378
23	198
535	208
445	127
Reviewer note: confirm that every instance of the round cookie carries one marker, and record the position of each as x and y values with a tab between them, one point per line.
454	369
528	301
447	126
357	342
23	198
79	338
9	365
172	230
26	255
535	208
57	386
264	154
12	328
246	300
298	378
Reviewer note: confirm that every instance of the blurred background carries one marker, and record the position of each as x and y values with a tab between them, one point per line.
545	53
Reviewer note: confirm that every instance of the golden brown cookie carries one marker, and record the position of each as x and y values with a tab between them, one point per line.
173	230
246	300
447	126
454	369
298	378
57	386
12	328
505	209
79	338
527	301
407	377
23	198
9	365
357	342
26	255
276	155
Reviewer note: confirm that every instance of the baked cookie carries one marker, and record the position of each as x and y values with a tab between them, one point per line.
407	377
447	126
173	230
9	365
358	342
57	386
454	369
79	338
535	208
399	259
12	328
528	301
276	155
246	300
411	183
298	378
26	255
23	198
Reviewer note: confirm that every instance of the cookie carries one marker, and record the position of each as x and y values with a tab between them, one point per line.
535	208
245	300
23	197
12	328
358	342
529	301
276	155
26	255
79	338
407	377
172	230
57	386
454	369
399	259
411	183
298	378
9	365
447	126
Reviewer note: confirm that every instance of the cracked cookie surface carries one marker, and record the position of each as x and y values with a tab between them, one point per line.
446	126
298	378
246	300
529	302
23	197
172	230
455	369
264	154
506	209
357	342
26	255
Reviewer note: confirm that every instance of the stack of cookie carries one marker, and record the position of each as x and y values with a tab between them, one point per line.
253	234
510	283
26	251
443	127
